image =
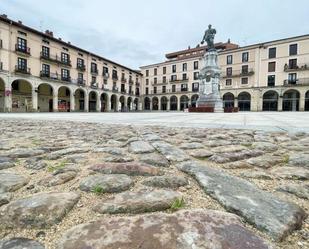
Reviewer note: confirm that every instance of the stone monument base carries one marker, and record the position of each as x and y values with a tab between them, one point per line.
210	101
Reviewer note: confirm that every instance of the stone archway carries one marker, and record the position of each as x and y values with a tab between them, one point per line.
129	104
307	101
135	105
64	99
184	102
147	103
244	101
114	103
194	99
2	95
122	101
22	96
228	100
173	103
155	104
270	101
164	103
93	98
291	100
45	97
104	102
79	96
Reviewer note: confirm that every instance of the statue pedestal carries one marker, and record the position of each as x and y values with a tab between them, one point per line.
209	93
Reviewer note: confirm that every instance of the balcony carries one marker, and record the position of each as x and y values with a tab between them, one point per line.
81	67
115	89
294	68
81	82
123	91
22	50
66	79
131	82
300	81
159	83
94	71
123	80
184	89
179	80
114	77
238	73
55	59
94	85
105	75
22	70
137	83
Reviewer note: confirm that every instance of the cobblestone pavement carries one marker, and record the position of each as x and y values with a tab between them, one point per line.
80	185
267	121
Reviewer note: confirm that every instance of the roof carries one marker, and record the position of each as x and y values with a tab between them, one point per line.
19	24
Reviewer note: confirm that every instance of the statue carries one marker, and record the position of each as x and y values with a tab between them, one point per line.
209	37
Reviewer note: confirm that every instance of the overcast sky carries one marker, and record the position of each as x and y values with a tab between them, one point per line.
140	32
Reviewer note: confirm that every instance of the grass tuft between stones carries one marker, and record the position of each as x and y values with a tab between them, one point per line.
286	159
58	166
98	190
178	204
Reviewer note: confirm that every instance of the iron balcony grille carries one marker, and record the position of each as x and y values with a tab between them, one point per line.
21	49
81	67
23	70
298	67
55	59
300	81
238	73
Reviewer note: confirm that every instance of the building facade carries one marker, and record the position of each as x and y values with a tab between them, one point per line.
271	76
39	72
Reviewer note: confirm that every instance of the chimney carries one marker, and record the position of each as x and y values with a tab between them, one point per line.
49	33
59	39
229	41
69	42
20	22
4	16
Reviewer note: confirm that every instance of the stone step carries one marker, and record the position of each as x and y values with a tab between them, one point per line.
264	210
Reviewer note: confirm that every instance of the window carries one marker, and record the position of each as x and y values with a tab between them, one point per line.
228	82
155	90
147	81
163	89
195	65
229	72
184	87
22	64
244	69
184	67
105	81
147	73
65	74
174	68
105	71
244	81
115	75
147	91
93	79
155	80
80	63
94	68
173	77
173	88
229	59
272	66
21	44
155	71
196	75
164	70
245	57
293	49
195	87
293	64
65	58
45	70
122	87
292	77
271	80
272	53
164	79
184	76
45	52
80	78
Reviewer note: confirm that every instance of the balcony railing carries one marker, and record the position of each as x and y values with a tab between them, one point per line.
66	79
137	83
131	82
238	73
123	80
115	89
81	67
55	59
94	85
23	70
114	77
184	89
123	90
24	50
300	81
105	75
177	90
179	80
81	82
94	71
298	67
57	77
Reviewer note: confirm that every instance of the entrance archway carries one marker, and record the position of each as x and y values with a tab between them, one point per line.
21	96
80	100
114	103
2	94
155	104
290	101
228	100
147	103
164	102
45	98
104	101
244	101
270	101
194	99
173	103
93	98
307	101
184	102
122	101
64	99
135	106
129	104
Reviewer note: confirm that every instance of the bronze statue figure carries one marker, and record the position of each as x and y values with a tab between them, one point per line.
209	37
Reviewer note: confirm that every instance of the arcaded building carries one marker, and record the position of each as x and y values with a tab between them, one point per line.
39	72
270	76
